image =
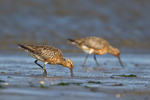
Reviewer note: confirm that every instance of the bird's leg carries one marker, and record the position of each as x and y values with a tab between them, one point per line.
38	64
85	60
44	70
96	60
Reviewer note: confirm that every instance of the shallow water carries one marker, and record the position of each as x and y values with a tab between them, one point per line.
24	78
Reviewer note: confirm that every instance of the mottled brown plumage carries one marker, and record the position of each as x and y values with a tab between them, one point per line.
96	46
48	55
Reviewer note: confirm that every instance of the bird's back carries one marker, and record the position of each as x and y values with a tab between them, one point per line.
44	53
92	42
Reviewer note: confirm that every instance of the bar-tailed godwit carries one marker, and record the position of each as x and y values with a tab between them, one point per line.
96	46
48	55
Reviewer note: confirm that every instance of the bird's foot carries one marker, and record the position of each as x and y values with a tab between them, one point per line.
44	73
83	65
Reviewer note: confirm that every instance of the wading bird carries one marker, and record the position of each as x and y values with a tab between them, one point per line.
48	55
96	46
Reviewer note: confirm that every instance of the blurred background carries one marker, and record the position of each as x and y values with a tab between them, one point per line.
124	23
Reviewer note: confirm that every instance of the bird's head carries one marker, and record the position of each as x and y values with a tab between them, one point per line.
69	64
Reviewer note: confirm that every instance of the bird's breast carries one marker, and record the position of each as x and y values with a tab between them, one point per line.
87	49
101	51
55	60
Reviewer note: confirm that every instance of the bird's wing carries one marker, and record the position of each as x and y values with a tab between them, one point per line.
93	42
45	51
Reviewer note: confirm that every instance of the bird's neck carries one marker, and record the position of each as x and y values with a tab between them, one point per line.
113	51
64	63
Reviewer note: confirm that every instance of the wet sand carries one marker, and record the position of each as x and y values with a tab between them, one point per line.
20	79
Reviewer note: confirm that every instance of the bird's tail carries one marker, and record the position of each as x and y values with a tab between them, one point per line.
25	48
22	46
71	41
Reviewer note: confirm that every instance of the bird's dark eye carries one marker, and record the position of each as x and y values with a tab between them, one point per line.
72	65
64	59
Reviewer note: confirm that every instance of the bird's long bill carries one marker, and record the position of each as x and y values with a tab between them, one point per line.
120	61
71	71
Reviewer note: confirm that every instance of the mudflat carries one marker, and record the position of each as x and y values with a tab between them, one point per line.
20	78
